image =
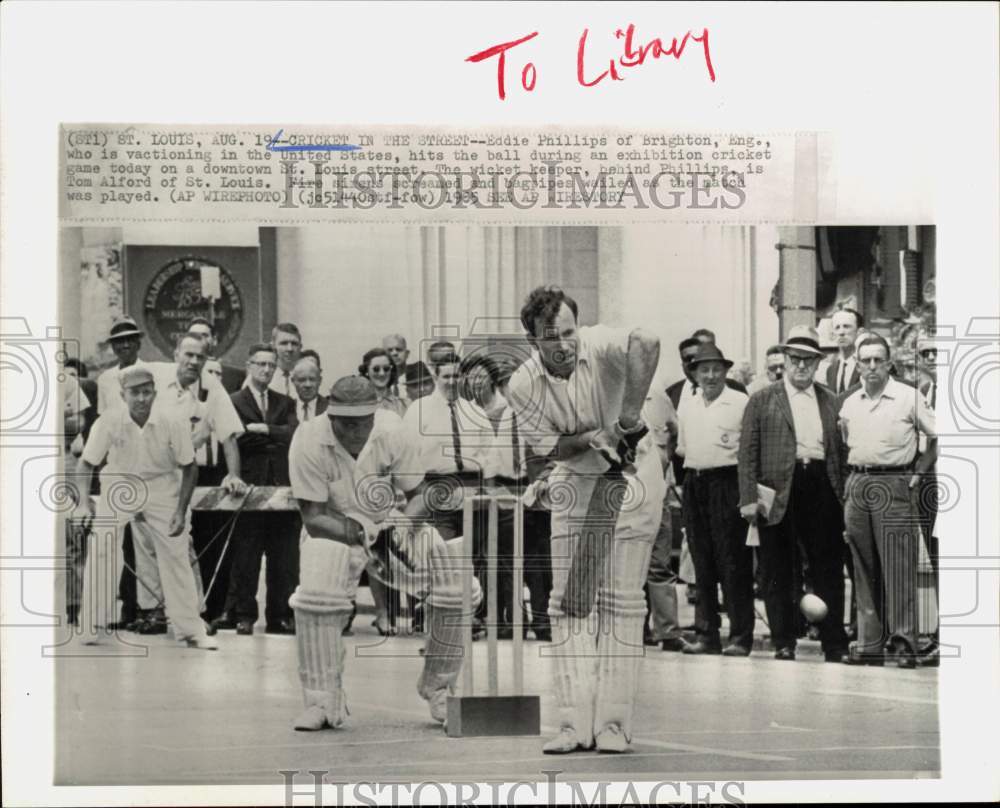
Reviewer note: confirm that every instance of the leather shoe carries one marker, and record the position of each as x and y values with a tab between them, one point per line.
244	627
284	627
785	654
905	658
223	623
672	644
734	649
543	635
835	654
701	647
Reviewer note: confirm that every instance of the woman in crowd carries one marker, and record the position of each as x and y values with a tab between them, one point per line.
377	367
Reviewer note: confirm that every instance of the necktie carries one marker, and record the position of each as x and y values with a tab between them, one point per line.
287	388
515	446
840	379
209	454
455	441
305	410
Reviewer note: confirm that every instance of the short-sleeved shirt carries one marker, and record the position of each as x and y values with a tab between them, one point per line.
882	431
322	470
709	433
214	417
158	449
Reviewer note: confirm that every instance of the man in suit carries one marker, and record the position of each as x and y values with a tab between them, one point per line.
287	341
843	373
791	444
307	379
269	420
395	346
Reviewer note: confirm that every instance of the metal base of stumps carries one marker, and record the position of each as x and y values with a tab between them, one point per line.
470	716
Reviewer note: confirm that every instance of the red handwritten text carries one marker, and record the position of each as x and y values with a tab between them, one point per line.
528	75
633	57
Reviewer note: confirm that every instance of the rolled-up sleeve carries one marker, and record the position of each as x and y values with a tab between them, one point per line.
925	419
99	442
222	415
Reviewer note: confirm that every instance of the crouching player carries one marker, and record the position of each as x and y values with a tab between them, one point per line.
345	470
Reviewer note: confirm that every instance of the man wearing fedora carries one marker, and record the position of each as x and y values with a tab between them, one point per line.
791	443
709	441
345	467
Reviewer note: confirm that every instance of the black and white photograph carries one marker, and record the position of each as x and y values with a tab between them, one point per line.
293	586
499	403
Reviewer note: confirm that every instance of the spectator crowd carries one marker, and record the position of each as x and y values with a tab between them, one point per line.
815	480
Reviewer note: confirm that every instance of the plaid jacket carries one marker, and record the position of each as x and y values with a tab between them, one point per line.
767	446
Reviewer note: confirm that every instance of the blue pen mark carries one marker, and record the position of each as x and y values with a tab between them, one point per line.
272	146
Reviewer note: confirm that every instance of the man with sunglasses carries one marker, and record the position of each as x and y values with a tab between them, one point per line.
881	423
774	367
790	443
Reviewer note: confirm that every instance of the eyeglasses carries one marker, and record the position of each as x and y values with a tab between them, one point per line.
930	354
873	361
802	361
263	364
380	370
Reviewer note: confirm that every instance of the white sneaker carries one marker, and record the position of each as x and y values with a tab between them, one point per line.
612	739
313	719
439	704
565	742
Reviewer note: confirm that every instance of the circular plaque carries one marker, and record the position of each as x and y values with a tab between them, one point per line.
176	295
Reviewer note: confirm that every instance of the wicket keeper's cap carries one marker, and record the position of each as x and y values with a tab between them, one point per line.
805	339
134	375
352	396
709	353
124	327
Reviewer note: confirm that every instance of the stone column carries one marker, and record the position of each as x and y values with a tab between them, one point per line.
797	297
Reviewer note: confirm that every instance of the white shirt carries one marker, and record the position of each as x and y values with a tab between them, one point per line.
709	434
807	422
306	408
260	396
281	382
882	431
109	388
509	441
427	424
844	371
214	418
321	470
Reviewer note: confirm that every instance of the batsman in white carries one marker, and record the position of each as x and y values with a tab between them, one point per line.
579	396
346	469
149	477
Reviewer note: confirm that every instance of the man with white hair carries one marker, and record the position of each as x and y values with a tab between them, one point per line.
346	468
307	378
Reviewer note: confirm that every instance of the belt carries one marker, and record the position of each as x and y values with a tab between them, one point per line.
806	462
712	471
881	469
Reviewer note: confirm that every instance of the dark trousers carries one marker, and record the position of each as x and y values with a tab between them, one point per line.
275	534
717	538
208	534
882	519
538	565
927	510
814	523
127	585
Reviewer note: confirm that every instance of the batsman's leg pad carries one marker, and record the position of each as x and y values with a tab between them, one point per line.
621	608
574	671
443	655
322	607
448	565
325	577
